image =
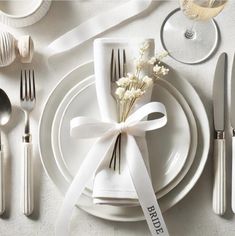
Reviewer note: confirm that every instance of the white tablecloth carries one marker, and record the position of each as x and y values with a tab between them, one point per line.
193	216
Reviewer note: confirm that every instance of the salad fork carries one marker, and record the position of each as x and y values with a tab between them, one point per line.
117	71
27	102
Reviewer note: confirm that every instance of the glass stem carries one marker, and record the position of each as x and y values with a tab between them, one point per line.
211	3
190	33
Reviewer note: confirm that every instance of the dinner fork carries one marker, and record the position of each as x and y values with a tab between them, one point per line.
27	102
117	71
117	68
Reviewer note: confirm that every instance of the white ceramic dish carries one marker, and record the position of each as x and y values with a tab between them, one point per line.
23	13
166	160
122	213
60	118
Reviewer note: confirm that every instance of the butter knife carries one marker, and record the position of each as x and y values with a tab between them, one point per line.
219	187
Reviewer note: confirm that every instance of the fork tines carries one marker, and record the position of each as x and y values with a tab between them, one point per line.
118	64
27	85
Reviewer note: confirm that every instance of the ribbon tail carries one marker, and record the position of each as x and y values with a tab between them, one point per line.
144	189
96	26
88	168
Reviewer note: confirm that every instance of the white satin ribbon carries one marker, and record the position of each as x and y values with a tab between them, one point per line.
83	127
96	26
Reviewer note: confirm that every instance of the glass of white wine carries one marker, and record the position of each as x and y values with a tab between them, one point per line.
191	35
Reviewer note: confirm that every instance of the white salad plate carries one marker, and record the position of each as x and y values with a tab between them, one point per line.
166	161
118	213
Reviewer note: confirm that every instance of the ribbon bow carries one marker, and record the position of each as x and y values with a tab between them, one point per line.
84	127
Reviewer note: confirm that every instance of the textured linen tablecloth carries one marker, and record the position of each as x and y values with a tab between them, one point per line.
193	216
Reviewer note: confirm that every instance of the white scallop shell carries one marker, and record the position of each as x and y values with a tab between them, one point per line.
7	49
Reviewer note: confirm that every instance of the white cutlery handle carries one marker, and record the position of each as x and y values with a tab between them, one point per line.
233	175
2	184
27	202
219	188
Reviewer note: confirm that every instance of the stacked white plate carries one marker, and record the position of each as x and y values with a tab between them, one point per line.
178	152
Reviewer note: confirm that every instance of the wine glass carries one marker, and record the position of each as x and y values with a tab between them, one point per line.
191	35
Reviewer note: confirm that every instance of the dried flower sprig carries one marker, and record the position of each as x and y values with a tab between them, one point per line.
134	85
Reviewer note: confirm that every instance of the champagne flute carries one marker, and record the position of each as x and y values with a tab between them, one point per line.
191	35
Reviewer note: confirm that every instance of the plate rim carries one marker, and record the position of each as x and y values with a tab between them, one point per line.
199	169
73	93
68	179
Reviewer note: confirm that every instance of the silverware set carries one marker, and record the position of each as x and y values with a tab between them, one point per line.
27	103
118	69
219	103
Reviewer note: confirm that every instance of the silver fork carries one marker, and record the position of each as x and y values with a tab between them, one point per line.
117	71
27	102
117	68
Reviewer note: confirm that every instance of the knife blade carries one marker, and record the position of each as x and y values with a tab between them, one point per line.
219	187
232	120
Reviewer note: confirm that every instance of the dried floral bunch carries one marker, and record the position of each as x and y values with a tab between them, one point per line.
134	85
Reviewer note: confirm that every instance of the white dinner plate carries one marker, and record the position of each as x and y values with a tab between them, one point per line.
58	153
112	212
166	161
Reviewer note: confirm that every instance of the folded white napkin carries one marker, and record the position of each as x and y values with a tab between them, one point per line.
110	187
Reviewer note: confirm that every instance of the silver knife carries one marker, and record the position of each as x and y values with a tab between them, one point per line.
219	187
232	119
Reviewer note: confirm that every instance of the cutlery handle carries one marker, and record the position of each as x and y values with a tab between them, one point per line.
27	202
219	188
2	184
233	174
